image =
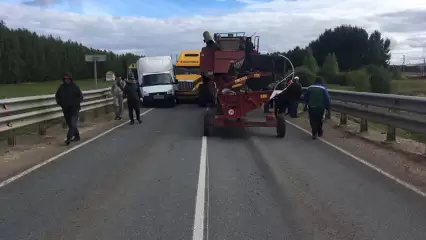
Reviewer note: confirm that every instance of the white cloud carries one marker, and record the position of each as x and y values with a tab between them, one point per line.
281	24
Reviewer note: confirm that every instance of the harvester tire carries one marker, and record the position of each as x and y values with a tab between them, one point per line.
281	127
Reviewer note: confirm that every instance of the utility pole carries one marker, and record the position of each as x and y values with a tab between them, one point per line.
403	63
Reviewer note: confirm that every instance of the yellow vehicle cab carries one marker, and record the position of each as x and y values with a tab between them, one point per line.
187	71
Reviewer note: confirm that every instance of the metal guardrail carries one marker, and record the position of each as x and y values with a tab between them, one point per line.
396	111
25	111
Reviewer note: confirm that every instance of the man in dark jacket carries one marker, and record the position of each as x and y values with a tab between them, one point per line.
133	94
287	97
318	100
69	97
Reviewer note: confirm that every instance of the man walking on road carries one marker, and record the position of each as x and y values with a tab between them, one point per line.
133	93
69	97
318	100
117	91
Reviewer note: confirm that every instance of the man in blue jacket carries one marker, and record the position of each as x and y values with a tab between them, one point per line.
318	100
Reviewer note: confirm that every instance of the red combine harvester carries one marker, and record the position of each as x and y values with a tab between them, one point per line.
235	80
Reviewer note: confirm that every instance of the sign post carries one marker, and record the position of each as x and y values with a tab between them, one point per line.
95	59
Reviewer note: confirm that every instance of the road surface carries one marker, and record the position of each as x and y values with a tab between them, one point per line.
140	182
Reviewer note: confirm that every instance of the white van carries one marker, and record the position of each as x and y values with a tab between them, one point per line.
157	80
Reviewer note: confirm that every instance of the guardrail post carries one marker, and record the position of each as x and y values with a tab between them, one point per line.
107	110
64	124
82	116
11	138
363	127
328	114
391	133
42	129
343	119
95	113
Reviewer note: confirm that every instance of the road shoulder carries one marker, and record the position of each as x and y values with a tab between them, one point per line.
33	149
406	167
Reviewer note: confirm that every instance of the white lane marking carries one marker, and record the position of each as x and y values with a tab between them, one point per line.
375	168
198	231
29	170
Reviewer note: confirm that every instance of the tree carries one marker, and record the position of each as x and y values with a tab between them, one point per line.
378	50
352	45
330	66
310	62
306	76
360	79
380	79
28	57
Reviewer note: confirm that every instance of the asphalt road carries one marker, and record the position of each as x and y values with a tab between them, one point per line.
140	182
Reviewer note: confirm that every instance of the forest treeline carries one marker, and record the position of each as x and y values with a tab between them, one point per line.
348	56
345	55
26	56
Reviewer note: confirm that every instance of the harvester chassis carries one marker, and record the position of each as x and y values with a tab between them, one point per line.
229	108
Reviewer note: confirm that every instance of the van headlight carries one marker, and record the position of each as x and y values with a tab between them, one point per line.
170	91
145	93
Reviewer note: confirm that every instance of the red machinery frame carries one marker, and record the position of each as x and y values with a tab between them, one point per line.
232	101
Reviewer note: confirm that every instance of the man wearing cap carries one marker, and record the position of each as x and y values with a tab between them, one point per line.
133	94
69	97
296	93
288	96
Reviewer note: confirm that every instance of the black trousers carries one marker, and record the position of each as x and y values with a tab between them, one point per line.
71	118
315	119
134	105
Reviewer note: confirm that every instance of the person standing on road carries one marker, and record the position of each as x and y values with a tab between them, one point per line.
69	97
295	92
117	91
318	100
133	94
288	96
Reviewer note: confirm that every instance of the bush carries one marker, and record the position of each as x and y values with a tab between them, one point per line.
330	66
380	79
396	74
306	77
339	79
360	79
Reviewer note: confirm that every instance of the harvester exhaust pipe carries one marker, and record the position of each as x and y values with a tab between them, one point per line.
210	43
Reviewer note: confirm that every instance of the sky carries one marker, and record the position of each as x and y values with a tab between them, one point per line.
164	27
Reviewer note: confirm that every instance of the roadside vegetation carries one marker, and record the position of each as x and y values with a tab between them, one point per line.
32	64
43	88
348	58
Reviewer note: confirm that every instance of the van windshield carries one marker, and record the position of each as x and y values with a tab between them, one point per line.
157	79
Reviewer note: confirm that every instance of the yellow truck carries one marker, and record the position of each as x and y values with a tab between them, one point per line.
187	71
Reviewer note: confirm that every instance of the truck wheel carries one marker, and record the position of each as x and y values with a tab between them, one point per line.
281	127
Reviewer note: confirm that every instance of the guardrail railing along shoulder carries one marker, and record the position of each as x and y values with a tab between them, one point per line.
25	111
395	111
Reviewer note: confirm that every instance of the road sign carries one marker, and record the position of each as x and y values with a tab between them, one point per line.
93	58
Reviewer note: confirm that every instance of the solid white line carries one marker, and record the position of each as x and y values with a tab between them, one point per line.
198	231
16	177
375	168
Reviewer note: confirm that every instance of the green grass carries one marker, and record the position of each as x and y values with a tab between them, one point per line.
42	88
402	87
338	87
409	87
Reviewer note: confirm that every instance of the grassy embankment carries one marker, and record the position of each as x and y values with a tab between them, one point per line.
32	89
403	87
